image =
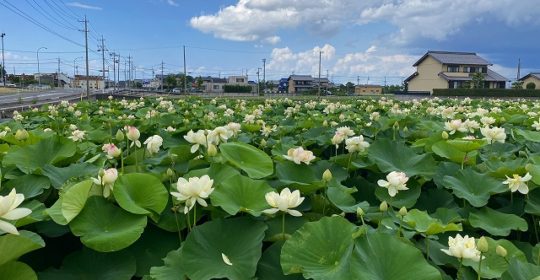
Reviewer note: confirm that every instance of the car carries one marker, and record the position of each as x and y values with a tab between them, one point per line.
11	85
176	90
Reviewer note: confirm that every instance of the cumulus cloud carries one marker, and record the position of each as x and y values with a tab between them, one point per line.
253	20
284	60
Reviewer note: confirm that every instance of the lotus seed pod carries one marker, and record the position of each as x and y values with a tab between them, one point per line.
501	251
482	245
403	211
383	207
444	135
327	175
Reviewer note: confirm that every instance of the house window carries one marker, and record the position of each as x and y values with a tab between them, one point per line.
453	68
216	86
239	80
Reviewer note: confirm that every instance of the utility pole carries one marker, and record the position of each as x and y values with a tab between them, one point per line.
357	80
517	78
118	69
162	75
264	74
258	82
114	70
129	71
185	71
3	61
86	49
58	73
320	58
102	50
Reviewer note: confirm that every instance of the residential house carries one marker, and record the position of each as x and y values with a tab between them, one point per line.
52	79
300	83
94	82
531	78
443	70
283	85
325	83
213	85
368	89
237	80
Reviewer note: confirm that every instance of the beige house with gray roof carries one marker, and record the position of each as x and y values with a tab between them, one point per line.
531	78
443	70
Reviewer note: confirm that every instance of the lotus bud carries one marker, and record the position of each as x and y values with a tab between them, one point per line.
101	172
403	211
212	150
359	212
383	207
405	129
21	134
170	172
263	143
482	245
119	135
325	123
396	125
327	175
444	135
501	251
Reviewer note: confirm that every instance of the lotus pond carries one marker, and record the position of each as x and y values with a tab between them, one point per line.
271	189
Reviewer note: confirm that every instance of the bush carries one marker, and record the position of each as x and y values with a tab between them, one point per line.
481	92
530	86
236	89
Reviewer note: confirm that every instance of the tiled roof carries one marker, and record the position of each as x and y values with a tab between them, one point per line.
490	76
462	58
534	75
301	77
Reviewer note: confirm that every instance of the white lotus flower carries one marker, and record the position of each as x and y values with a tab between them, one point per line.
107	181
455	125
299	155
9	211
518	183
536	125
133	134
193	190
77	135
234	128
219	134
395	182
111	150
462	248
196	138
153	143
345	130
495	134
356	144
284	202
170	129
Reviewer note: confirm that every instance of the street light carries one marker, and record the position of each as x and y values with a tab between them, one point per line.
39	73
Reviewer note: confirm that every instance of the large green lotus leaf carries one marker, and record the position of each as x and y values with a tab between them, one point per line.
30	185
256	163
39	213
17	271
493	266
14	246
55	212
342	198
241	194
472	186
105	227
172	268
239	239
467	146
521	270
140	193
495	222
150	249
60	175
74	199
534	170
532	205
423	223
275	226
445	150
269	267
396	156
405	198
305	178
502	168
381	256
533	136
88	264
320	250
47	151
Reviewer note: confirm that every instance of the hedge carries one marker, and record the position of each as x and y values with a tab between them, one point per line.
236	89
499	92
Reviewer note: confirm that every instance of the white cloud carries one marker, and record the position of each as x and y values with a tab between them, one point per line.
254	20
172	3
284	60
83	6
272	40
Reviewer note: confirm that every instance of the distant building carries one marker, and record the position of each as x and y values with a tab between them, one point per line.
237	80
368	89
531	78
213	85
325	83
94	82
443	70
52	79
300	83
283	85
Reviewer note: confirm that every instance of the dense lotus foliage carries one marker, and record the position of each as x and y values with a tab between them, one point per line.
271	189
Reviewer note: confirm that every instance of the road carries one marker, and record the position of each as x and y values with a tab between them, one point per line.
49	95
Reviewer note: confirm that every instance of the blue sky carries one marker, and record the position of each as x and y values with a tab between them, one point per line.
366	40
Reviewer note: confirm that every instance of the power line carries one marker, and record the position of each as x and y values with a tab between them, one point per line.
46	15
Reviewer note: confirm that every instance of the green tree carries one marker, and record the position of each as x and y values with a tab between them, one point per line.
349	87
170	81
199	82
517	85
392	88
530	86
477	80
